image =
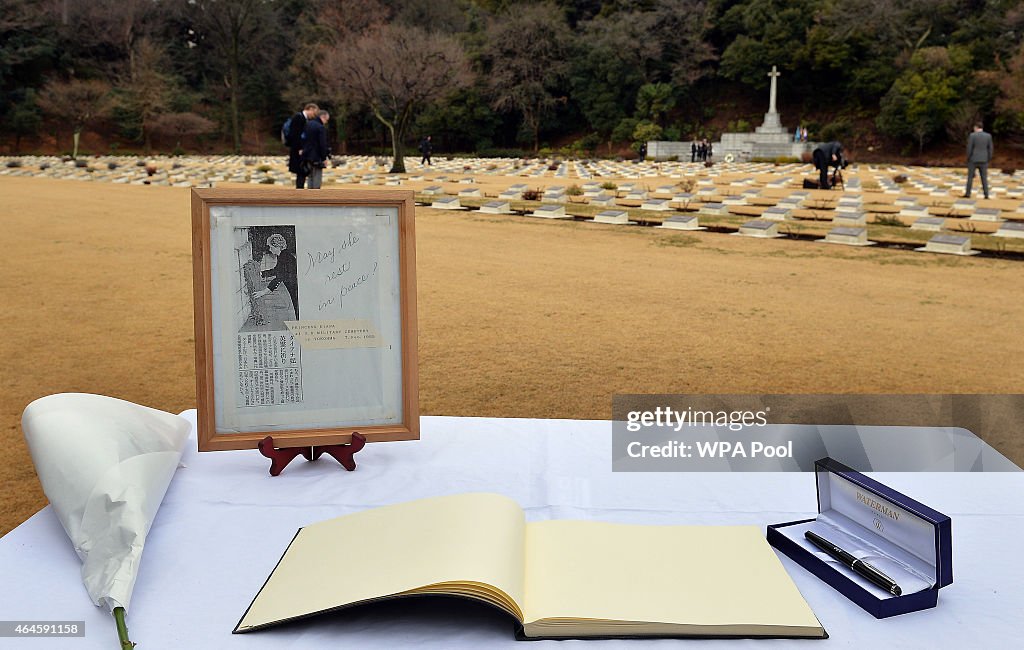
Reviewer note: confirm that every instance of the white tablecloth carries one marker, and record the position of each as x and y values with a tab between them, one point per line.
225	523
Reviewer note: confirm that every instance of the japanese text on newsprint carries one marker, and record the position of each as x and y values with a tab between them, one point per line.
269	369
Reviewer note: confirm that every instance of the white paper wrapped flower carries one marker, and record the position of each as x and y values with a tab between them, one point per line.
105	465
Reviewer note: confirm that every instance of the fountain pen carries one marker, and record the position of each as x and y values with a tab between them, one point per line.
858	565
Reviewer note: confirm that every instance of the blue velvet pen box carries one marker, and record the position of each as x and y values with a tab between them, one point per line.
906	540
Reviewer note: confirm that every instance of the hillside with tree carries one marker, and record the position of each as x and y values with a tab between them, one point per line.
505	77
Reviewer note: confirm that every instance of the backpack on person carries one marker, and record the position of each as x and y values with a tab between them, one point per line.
286	132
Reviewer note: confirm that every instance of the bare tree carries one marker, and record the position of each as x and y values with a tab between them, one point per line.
148	88
76	101
322	26
528	50
235	31
395	70
179	125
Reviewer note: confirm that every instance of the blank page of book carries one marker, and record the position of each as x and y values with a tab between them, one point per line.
391	550
687	575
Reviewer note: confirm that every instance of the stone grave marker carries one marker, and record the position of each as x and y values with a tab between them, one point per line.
617	217
928	223
716	209
447	203
848	236
550	212
655	204
949	245
682	222
986	214
913	211
848	219
759	228
848	205
776	213
1014	229
496	207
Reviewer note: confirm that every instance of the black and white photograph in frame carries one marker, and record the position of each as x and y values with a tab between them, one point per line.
267	277
305	317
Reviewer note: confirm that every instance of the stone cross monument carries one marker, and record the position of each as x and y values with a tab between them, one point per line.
773	93
772	121
770	140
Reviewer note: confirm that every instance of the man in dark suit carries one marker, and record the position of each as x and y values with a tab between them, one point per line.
315	151
829	154
294	140
426	148
979	155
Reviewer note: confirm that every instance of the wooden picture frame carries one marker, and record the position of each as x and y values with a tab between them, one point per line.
305	316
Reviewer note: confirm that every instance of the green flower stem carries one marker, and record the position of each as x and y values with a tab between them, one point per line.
122	629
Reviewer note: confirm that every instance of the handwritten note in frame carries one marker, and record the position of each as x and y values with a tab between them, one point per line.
305	316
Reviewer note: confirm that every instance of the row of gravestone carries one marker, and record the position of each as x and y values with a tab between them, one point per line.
847	212
758	228
203	170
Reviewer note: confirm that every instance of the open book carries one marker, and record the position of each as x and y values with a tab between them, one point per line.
557	578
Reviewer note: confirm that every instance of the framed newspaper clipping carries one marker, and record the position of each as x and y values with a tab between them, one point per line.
305	316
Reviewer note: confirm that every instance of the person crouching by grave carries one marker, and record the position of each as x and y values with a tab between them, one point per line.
828	154
426	148
315	151
294	130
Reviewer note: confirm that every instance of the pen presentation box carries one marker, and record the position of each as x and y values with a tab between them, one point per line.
906	540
